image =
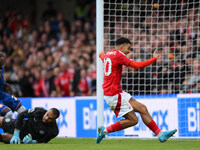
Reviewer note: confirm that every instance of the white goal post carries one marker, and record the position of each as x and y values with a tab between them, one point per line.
100	47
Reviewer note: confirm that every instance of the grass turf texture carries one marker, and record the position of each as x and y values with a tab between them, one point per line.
108	144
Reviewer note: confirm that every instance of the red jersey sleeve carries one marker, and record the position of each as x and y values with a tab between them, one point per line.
142	64
123	59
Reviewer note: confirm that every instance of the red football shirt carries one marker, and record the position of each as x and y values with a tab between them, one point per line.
64	81
113	62
83	87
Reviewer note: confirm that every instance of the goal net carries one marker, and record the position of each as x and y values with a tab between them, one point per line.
169	87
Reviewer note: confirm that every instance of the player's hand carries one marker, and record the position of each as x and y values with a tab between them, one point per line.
27	139
155	54
100	53
15	139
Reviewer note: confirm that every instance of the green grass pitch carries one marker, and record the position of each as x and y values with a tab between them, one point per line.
108	144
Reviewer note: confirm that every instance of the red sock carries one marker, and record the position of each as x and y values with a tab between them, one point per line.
114	127
153	127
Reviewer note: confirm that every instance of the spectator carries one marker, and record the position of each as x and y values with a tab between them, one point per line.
77	75
190	84
64	80
42	89
49	12
83	85
66	50
26	82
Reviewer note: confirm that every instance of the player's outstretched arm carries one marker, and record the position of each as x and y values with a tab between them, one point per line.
142	64
102	55
21	116
18	125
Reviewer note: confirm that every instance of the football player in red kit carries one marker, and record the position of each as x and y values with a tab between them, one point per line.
121	102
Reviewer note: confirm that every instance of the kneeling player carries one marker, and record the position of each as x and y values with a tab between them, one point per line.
39	126
9	103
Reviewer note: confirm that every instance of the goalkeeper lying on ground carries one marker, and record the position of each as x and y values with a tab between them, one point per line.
35	125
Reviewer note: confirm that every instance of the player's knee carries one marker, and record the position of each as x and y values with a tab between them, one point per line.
6	112
134	121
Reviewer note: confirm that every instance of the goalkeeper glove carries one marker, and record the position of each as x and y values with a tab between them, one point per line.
28	139
15	138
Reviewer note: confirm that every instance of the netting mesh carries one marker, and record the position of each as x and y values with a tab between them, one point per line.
172	27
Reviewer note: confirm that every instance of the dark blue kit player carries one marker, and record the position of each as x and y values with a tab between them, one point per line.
8	103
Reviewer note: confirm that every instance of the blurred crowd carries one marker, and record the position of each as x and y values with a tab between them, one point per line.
175	33
56	58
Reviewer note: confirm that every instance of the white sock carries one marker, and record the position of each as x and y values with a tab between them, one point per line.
105	131
160	134
8	114
21	109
